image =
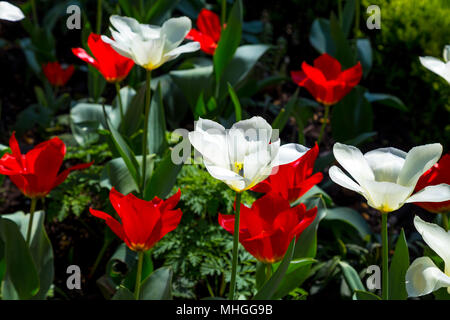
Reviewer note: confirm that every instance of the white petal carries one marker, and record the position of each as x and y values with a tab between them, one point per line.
255	129
232	179
237	145
10	12
418	160
339	177
423	277
124	25
119	47
385	196
289	152
256	166
386	163
185	48
436	238
212	147
175	30
437	66
353	162
437	193
207	125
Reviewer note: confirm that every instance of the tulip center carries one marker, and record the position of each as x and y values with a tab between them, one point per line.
238	167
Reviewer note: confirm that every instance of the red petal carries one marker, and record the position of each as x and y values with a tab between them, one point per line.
352	76
115	226
330	67
226	221
83	55
209	23
63	175
298	77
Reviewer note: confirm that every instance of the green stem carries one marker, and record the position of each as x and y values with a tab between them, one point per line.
357	14
30	223
235	246
99	258
268	271
224	12
385	256
120	102
148	94
33	9
99	16
445	221
324	124
137	289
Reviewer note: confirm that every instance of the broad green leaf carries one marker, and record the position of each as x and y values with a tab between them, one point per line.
283	117
352	116
348	15
398	268
133	113
160	11
307	242
320	36
294	277
270	287
236	103
229	40
193	82
21	274
351	277
85	120
386	99
163	178
350	217
157	142
158	286
123	294
116	174
364	55
344	52
364	295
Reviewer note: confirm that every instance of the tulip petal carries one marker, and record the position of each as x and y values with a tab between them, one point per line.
330	67
221	173
423	277
339	177
437	193
437	66
10	12
63	175
208	23
290	152
115	226
353	161
175	30
417	162
386	163
185	48
385	196
436	238
255	129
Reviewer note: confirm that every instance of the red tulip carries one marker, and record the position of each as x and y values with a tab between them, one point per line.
294	179
36	173
56	74
439	173
143	222
113	66
208	33
325	81
268	227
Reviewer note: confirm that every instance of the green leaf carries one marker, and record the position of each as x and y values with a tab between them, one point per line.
351	277
386	99
240	66
125	152
116	174
21	274
163	178
123	294
344	52
158	286
307	242
351	217
236	103
352	116
294	276
348	15
364	55
157	142
229	40
282	118
320	36
364	295
159	11
85	120
398	268
270	287
193	82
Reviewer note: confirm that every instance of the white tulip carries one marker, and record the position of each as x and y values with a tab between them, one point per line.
423	276
387	177
441	68
244	155
10	12
147	45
